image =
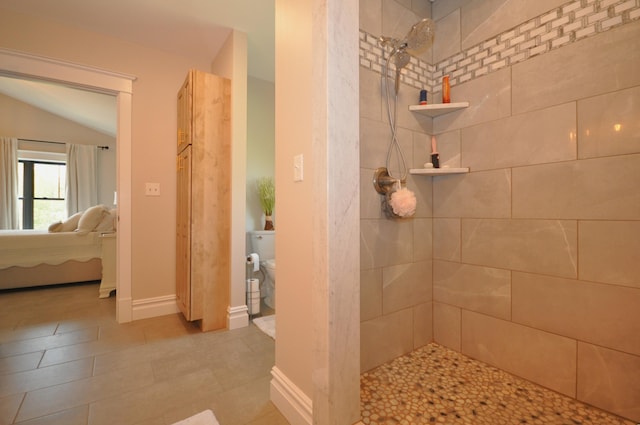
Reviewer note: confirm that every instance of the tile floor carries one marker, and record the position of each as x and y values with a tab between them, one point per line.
64	360
435	385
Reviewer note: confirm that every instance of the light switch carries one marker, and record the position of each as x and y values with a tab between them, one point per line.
298	168
152	189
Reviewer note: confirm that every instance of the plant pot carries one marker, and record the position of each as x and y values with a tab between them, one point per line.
268	223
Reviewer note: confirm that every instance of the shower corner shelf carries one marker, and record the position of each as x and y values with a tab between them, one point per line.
437	171
435	109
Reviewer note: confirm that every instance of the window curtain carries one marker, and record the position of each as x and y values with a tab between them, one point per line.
9	183
82	178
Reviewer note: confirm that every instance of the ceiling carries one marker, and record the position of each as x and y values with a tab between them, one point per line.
193	28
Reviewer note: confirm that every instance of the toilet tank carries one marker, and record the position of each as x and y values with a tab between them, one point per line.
263	243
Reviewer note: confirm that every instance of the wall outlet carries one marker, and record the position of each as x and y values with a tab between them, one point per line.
152	189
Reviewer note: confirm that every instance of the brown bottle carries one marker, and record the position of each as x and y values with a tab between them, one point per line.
446	97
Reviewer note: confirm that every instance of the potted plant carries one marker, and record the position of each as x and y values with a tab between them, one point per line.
267	195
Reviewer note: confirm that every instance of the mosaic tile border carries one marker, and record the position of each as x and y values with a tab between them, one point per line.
559	27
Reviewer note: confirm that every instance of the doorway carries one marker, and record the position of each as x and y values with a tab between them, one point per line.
19	64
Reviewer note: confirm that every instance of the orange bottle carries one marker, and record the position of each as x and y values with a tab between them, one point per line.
446	96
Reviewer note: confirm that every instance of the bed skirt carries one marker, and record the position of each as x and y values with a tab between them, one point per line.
45	274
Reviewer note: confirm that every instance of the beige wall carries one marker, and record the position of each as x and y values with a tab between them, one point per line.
24	121
317	235
535	267
159	75
260	146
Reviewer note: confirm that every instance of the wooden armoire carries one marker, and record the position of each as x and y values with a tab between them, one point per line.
203	231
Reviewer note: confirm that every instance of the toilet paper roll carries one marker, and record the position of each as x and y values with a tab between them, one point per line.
255	306
254	285
254	259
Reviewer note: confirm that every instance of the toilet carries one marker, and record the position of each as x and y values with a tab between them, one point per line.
263	243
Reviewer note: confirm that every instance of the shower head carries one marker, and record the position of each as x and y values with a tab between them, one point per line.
417	41
420	37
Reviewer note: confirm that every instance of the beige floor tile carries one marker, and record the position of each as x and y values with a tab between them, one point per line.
9	407
243	404
149	372
20	362
142	354
60	397
21	331
48	342
45	377
109	340
75	416
154	400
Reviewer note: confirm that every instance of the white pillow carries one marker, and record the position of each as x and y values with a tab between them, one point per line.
69	225
91	218
108	222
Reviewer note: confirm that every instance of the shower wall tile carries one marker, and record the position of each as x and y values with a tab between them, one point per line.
559	76
449	149
447	43
446	239
537	246
485	19
485	194
609	124
374	142
385	338
370	95
405	118
421	149
397	18
609	252
601	314
541	357
423	190
482	289
603	188
440	9
371	16
422	324
422	239
385	243
370	199
448	145
544	136
610	380
489	99
422	8
446	325
370	294
406	285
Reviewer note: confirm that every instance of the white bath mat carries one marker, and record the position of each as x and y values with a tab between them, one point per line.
203	418
266	324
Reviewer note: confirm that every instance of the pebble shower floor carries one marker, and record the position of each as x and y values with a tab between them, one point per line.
436	385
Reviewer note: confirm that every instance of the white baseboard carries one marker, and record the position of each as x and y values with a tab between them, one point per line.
123	310
153	307
238	317
295	405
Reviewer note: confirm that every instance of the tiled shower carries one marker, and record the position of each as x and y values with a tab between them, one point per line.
531	261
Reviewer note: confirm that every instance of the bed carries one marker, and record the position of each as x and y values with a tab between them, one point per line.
47	257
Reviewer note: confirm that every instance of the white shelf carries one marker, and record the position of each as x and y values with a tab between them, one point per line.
435	109
437	171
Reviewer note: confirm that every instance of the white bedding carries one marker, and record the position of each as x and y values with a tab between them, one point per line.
27	248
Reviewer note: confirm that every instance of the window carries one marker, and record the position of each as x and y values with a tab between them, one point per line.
41	193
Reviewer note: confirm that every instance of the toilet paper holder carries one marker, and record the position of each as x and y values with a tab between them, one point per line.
254	260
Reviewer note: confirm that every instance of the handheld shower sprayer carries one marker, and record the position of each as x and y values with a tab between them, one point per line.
418	40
